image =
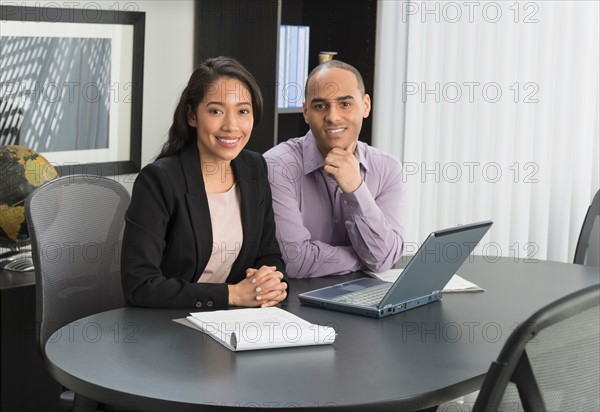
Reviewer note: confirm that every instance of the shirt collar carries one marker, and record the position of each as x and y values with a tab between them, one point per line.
313	159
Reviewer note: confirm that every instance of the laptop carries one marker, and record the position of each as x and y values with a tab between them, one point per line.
421	282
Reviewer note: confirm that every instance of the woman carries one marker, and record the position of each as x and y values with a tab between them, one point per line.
200	231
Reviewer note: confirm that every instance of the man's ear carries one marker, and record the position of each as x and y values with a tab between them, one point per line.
191	117
367	104
305	111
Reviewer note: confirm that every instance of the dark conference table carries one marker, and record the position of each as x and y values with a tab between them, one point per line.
139	359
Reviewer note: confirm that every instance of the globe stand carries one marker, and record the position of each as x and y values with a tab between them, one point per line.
17	259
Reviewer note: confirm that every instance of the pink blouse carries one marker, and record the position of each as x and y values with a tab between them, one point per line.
226	221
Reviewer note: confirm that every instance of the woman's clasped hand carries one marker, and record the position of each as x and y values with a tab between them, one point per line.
262	287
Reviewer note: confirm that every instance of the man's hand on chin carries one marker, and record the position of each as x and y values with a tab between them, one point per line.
343	166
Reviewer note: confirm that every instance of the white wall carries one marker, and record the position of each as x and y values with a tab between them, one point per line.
168	61
168	64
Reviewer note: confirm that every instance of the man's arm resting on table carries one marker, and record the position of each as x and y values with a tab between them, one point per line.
374	225
304	257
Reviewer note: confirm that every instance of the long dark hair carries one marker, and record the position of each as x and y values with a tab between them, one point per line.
205	75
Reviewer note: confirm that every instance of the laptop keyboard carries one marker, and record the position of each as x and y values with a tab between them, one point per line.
366	297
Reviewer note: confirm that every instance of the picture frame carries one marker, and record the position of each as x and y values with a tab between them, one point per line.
71	86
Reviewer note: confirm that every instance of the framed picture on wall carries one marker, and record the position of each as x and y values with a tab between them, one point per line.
71	86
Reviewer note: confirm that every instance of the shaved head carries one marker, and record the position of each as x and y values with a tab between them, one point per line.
337	64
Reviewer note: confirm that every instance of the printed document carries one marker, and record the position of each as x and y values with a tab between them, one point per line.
260	328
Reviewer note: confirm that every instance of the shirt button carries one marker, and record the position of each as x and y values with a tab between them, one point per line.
337	221
209	304
199	304
345	202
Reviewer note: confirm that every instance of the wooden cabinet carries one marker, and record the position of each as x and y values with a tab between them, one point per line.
248	30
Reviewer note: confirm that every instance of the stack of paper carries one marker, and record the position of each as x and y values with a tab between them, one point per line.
260	328
456	283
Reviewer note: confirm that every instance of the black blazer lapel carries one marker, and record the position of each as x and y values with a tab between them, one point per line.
246	175
197	204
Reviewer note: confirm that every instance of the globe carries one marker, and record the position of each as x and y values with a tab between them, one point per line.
22	170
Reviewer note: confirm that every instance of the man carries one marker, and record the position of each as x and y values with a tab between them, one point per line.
338	202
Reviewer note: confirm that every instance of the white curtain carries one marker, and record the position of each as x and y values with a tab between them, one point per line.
493	107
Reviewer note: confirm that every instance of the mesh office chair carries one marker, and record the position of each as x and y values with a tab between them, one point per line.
587	251
76	227
551	362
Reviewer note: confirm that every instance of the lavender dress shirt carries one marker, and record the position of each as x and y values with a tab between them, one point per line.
323	231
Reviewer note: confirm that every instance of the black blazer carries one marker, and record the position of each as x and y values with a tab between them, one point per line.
168	236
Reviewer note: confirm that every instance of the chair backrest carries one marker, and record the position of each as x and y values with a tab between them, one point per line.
551	362
587	251
76	226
